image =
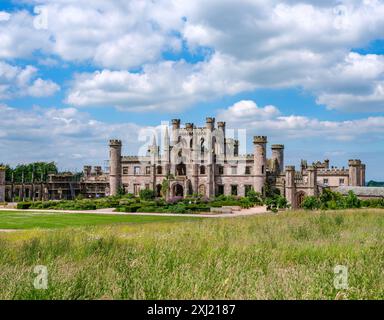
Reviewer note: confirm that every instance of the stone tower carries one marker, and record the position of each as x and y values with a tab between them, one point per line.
362	175
312	180
115	166
278	157
2	184
260	162
211	140
290	187
175	130
354	172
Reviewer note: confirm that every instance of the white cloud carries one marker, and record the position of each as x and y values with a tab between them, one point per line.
18	81
42	88
269	121
67	136
253	44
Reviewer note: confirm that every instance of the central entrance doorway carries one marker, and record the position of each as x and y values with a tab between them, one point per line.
178	190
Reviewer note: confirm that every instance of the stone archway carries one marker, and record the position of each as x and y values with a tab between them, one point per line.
300	198
158	190
178	190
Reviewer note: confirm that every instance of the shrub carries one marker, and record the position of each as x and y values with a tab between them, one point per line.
311	203
148	209
352	201
276	203
24	205
254	197
120	192
147	194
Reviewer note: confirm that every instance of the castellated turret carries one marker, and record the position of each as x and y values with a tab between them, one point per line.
278	157
354	172
210	123
115	166
2	184
175	131
260	162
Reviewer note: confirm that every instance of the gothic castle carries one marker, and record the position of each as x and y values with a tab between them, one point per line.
195	160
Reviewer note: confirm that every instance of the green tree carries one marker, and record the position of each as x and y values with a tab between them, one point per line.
147	194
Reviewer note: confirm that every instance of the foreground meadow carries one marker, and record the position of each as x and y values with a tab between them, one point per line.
290	255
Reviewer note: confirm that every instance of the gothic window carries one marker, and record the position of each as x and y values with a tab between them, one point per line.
181	169
220	189
247	170
202	145
159	170
341	182
221	169
234	170
125	170
202	170
147	170
234	190
262	169
136	170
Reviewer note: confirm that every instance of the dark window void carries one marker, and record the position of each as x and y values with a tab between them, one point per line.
234	190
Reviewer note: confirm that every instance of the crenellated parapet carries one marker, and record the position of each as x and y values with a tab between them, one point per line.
259	139
354	162
115	143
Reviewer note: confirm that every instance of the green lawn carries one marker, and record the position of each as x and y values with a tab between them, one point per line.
291	255
29	220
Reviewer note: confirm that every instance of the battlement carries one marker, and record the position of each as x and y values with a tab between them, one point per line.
277	146
333	172
289	168
175	121
189	126
115	143
354	162
210	120
259	139
221	124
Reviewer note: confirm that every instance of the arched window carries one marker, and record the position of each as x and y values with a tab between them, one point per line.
191	144
202	145
159	170
202	169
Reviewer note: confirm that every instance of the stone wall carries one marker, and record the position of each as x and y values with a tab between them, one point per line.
2	184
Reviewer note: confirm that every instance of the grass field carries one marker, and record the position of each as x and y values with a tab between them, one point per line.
29	220
291	255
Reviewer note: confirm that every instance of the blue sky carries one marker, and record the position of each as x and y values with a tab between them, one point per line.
75	73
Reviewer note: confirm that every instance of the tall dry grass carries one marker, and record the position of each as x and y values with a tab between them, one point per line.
285	256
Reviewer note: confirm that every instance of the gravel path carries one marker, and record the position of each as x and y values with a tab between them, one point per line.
244	212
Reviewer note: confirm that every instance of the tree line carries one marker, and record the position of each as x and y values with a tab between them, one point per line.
36	171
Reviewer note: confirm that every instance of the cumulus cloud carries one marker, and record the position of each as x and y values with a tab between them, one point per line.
253	44
21	81
67	136
269	121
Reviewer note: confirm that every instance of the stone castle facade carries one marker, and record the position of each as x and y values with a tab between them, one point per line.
195	160
202	160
